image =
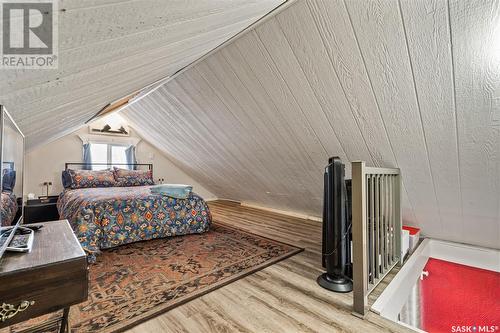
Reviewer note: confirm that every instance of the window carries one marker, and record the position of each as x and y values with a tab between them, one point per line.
109	154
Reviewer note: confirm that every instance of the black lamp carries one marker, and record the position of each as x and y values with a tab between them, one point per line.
47	184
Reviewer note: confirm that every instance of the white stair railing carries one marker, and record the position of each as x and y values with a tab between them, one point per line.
376	228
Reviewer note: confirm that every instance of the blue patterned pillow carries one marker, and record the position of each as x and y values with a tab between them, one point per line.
127	178
66	179
91	178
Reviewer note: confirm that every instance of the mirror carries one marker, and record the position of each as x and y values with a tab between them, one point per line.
11	177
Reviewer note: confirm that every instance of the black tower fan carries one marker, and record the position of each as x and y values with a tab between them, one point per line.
336	253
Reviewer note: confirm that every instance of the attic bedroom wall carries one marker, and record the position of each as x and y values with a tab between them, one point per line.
409	84
46	162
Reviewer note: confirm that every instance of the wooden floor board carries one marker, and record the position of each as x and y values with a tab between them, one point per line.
280	298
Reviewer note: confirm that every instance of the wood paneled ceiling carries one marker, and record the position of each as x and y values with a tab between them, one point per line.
412	84
110	49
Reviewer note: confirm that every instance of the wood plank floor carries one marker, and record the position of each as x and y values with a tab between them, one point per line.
281	298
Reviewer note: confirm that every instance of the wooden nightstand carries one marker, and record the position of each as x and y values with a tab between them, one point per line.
52	277
41	210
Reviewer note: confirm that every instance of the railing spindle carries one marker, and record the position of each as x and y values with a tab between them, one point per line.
371	215
377	224
386	222
389	218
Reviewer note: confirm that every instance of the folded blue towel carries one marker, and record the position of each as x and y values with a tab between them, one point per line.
178	191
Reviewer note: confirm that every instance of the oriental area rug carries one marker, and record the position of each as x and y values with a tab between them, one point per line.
132	283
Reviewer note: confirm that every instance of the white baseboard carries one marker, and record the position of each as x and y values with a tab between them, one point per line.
283	212
210	199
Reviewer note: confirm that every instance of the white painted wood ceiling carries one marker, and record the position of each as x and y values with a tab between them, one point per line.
412	84
111	48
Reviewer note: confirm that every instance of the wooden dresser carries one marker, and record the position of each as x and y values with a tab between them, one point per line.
52	277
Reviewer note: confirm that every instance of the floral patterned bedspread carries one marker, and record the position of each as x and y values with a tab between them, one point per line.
9	208
111	216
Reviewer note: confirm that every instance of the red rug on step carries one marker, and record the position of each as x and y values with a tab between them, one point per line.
459	298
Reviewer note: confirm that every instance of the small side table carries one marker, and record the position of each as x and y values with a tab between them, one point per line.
41	210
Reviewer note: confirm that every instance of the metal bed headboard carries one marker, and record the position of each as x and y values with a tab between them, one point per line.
109	165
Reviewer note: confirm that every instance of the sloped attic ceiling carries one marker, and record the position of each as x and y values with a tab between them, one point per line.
109	49
413	84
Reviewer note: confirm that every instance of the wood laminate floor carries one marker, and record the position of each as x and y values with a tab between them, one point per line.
281	298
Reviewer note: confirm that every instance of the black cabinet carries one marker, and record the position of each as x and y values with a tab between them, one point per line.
41	210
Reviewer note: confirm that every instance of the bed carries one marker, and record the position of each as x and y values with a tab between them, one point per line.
110	216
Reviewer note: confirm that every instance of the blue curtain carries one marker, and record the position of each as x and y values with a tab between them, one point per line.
87	159
130	155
